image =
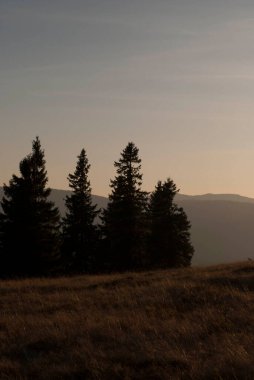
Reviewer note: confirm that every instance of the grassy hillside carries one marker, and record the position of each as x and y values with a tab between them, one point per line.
178	324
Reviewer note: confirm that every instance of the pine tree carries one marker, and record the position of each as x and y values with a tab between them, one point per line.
79	231
124	218
169	240
29	221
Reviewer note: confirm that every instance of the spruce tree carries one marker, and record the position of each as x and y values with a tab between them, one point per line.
169	239
79	231
29	221
124	218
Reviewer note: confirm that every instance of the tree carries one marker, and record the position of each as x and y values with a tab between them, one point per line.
29	221
169	240
124	219
79	230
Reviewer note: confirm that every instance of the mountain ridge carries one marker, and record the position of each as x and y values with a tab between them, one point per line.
216	197
222	224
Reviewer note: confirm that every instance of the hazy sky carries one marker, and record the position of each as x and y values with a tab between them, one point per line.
174	76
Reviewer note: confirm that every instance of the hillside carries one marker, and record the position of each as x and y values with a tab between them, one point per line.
222	231
215	197
222	225
181	324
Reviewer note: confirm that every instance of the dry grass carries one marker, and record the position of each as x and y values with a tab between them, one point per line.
179	324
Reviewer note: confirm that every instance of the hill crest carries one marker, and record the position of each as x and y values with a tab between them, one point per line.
222	224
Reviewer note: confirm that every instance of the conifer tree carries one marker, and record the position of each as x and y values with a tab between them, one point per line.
79	231
29	221
169	240
124	218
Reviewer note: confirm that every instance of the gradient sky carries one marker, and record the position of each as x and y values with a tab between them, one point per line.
176	77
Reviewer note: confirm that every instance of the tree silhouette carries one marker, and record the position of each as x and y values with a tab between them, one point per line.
29	222
79	231
169	239
124	219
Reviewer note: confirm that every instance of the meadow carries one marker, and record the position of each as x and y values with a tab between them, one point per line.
194	323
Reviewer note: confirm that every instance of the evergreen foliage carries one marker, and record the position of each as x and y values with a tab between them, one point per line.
124	219
136	232
79	231
169	238
29	222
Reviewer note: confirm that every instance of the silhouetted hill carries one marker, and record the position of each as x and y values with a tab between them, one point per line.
215	197
222	231
58	197
222	224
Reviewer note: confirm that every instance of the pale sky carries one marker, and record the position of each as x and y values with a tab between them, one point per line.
176	77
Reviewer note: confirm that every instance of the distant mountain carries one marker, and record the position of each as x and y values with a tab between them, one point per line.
222	231
214	197
222	224
58	196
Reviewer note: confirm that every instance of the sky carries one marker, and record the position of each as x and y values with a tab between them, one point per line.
175	77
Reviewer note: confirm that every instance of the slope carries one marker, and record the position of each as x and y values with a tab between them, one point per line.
222	225
189	324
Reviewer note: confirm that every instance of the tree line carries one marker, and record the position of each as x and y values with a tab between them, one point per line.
137	230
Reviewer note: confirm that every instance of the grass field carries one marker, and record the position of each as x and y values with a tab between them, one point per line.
172	324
